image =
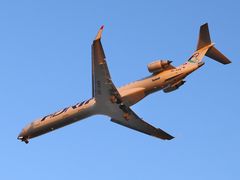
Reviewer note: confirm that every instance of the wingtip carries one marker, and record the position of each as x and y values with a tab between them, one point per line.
163	135
99	34
171	138
204	25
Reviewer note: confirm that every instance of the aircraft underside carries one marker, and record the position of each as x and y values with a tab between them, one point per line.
115	103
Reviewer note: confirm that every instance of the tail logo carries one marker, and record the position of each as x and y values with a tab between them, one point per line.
194	58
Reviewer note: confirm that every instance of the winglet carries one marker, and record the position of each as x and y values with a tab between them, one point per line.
99	34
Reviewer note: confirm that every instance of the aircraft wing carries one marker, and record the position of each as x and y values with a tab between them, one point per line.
128	118
104	89
102	86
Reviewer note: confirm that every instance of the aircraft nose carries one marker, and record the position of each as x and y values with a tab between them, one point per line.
23	136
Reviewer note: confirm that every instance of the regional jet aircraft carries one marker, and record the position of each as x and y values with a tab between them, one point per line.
115	102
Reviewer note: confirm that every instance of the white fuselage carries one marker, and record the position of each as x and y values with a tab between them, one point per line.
130	94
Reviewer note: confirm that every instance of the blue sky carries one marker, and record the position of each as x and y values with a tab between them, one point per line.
45	60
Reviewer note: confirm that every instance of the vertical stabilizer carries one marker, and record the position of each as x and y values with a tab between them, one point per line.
204	37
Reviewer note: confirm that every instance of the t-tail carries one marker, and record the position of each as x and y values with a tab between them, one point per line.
205	47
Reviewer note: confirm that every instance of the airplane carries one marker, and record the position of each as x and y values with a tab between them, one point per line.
115	102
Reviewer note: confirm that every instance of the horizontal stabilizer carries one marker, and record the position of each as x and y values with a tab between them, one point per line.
217	56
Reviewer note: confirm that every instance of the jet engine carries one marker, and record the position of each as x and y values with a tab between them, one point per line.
158	66
173	87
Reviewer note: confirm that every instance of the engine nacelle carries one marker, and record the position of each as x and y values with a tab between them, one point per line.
158	66
173	87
